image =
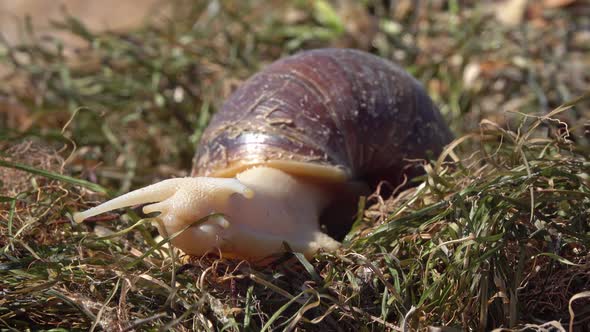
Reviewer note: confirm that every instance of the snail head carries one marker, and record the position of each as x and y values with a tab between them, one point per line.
181	202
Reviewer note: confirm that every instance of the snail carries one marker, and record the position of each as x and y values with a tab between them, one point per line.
305	132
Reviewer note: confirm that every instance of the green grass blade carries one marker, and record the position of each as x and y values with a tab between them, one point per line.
54	176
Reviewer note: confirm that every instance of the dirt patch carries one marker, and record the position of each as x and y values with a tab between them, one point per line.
30	152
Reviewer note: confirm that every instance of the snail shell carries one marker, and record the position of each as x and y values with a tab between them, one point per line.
330	114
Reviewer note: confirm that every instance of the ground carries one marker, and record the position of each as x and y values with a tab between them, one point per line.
494	235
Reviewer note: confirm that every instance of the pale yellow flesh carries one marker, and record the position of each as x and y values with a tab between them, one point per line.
262	208
327	173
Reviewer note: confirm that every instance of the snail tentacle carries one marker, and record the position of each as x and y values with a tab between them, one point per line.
187	194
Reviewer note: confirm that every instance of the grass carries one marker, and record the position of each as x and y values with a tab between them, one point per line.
495	234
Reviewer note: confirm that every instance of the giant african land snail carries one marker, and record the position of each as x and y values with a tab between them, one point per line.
283	147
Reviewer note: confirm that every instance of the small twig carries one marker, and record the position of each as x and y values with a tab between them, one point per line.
104	306
406	321
142	321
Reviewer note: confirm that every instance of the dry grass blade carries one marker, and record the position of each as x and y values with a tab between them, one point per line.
581	295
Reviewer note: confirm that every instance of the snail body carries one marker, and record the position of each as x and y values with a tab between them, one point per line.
285	145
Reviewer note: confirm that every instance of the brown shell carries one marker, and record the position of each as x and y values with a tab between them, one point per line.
330	114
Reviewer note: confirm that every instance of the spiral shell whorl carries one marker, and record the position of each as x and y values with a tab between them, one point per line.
349	114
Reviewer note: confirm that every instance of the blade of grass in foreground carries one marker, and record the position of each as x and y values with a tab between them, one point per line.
54	176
